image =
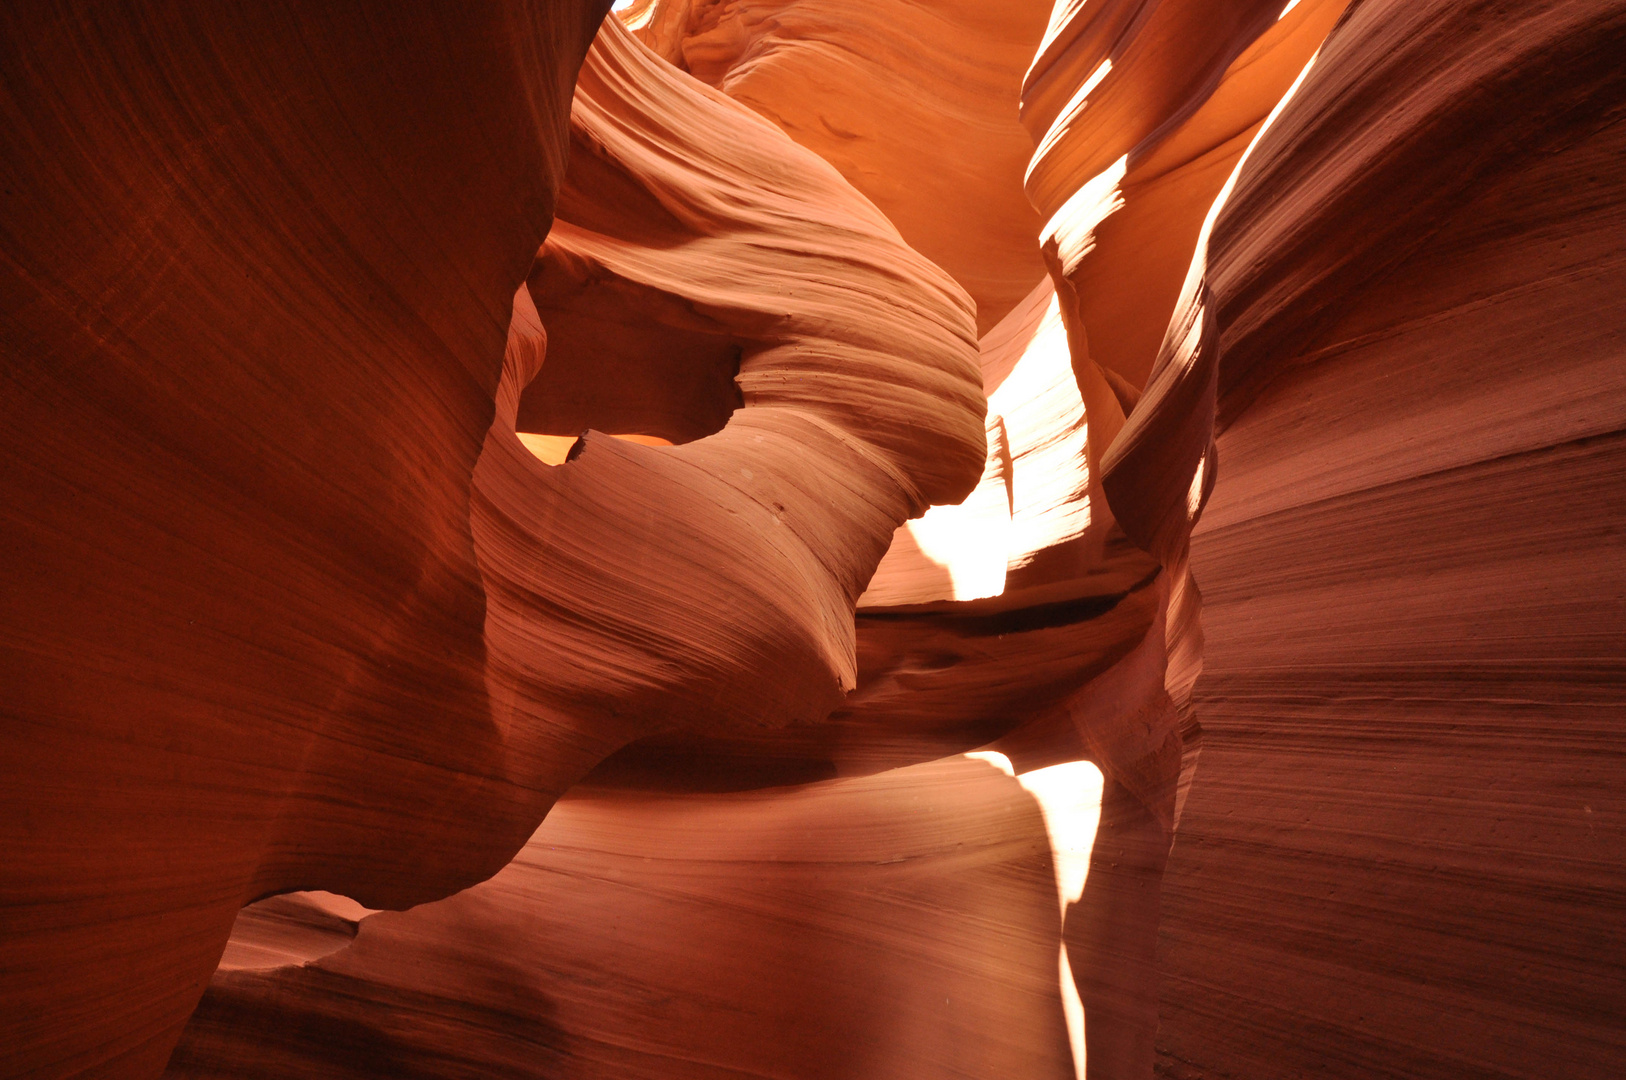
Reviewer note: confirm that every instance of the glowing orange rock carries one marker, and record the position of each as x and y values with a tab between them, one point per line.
698	567
915	104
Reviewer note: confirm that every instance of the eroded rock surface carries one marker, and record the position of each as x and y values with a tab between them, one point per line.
1201	414
1404	834
780	933
280	620
915	104
635	589
257	276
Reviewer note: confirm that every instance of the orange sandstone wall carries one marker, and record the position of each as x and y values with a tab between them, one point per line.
1274	349
914	103
899	925
292	605
258	272
693	237
1401	853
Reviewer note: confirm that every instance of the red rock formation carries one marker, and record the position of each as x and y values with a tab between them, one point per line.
257	276
1061	595
897	925
1071	601
915	104
744	250
259	353
1401	853
941	671
313	592
1138	120
1127	261
1380	222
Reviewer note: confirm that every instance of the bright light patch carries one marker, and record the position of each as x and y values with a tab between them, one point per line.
1035	489
1072	227
553	449
1194	494
1048	434
968	541
1069	797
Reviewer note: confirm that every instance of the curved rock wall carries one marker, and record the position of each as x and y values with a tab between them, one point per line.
258	268
667	249
1401	853
1139	120
899	925
914	103
277	626
892	377
637	589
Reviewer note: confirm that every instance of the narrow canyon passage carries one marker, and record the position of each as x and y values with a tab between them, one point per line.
813	540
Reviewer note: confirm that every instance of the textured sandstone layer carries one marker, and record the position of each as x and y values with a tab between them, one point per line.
901	925
279	619
258	273
1068	596
1139	117
1401	854
708	586
984	616
652	287
914	103
1125	248
311	586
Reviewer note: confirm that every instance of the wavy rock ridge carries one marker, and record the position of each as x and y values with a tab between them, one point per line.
1002	542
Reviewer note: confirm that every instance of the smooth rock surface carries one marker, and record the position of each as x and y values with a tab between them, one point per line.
277	619
1086	548
901	925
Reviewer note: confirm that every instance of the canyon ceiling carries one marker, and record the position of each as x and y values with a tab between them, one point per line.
812	539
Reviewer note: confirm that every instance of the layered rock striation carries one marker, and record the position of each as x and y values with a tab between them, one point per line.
1199	414
258	271
295	608
912	103
1400	856
774	933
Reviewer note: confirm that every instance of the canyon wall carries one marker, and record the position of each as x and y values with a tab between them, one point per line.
292	604
912	103
258	275
918	931
1400	857
999	545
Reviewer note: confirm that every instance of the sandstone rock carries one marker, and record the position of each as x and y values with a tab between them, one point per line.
902	924
915	104
685	572
818	457
276	626
258	268
1400	854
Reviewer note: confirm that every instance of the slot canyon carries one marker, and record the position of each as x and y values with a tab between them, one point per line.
813	540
